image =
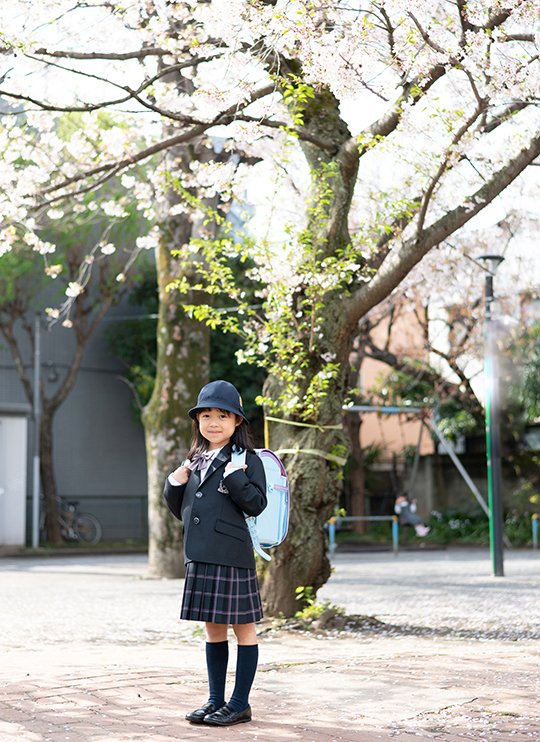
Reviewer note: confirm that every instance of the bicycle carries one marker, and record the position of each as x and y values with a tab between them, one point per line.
76	526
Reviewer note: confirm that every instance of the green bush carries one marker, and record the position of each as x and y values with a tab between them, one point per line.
466	528
453	525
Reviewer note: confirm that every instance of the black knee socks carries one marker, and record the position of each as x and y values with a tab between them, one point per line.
217	658
246	667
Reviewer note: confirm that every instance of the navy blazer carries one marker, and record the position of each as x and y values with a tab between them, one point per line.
215	530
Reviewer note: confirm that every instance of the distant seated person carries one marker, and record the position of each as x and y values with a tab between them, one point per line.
407	515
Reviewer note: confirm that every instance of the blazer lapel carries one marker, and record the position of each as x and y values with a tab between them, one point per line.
194	482
223	457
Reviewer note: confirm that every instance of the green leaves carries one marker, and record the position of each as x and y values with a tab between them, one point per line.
296	95
282	318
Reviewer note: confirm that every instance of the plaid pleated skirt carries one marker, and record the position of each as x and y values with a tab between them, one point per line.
221	594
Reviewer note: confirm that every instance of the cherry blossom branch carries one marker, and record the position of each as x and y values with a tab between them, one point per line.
131	94
413	92
465	25
444	165
425	35
398	265
112	168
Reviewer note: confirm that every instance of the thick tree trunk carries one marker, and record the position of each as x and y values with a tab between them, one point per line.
315	484
182	369
316	481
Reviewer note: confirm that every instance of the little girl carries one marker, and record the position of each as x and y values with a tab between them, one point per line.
407	515
210	496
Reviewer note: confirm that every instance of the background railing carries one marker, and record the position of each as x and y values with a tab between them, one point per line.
338	519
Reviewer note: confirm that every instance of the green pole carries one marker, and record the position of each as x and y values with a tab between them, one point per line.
493	445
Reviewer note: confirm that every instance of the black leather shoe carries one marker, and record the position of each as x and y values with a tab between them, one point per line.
197	717
226	717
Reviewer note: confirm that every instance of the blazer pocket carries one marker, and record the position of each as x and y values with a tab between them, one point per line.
229	529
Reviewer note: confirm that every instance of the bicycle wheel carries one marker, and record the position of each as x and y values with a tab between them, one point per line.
87	529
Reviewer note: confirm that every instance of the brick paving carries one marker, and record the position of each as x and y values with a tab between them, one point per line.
65	682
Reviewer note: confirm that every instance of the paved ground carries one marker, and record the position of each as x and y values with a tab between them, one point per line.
90	650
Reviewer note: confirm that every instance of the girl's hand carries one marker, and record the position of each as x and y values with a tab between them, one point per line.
181	474
231	467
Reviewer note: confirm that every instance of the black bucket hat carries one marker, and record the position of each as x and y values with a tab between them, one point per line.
221	395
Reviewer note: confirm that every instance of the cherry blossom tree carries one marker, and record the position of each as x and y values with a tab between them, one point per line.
81	280
383	129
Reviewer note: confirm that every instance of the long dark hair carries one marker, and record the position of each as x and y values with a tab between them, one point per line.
241	438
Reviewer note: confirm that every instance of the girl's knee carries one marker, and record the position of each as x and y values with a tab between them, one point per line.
216	632
245	633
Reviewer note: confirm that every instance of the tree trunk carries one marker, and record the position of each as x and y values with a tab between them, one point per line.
48	481
315	485
356	472
316	481
182	369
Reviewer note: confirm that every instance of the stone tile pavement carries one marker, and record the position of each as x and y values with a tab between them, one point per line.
115	664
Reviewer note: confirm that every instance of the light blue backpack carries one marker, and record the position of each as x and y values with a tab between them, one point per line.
270	527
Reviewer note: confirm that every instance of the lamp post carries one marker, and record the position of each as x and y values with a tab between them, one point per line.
37	418
493	438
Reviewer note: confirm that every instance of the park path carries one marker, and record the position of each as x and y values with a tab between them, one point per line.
92	651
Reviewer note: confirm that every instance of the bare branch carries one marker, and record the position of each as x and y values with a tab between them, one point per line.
390	32
481	101
134	391
519	37
63	109
496	20
83	335
151	51
7	331
327	144
397	227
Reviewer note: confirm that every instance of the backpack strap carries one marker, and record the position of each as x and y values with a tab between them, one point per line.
251	524
238	457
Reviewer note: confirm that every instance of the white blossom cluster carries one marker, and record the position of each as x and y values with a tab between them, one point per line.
222	54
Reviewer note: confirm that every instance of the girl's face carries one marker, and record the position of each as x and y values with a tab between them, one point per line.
217	426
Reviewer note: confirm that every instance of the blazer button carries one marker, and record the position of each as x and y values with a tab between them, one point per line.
196	521
198	494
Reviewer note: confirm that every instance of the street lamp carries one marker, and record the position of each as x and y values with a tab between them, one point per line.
493	437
